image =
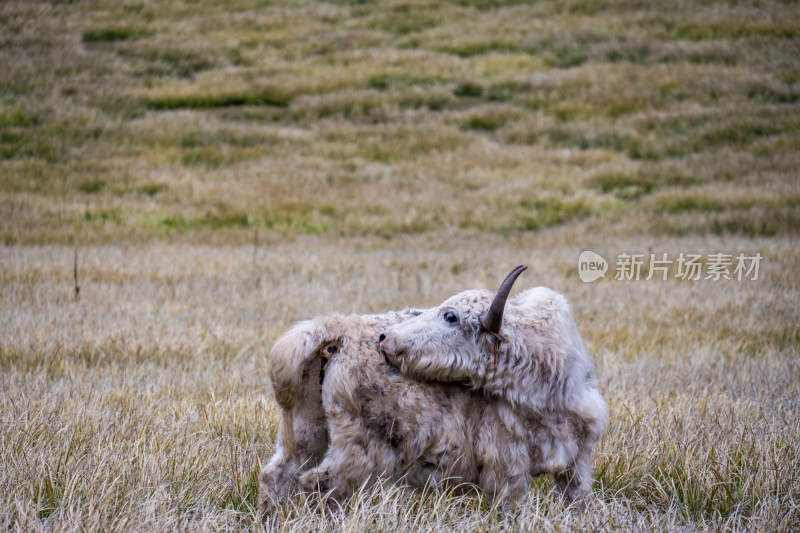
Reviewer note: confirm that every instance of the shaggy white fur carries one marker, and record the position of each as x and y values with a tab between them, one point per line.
433	397
543	410
349	417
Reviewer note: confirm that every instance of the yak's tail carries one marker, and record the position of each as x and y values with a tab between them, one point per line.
290	355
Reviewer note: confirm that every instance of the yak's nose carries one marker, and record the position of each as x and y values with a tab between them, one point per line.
387	343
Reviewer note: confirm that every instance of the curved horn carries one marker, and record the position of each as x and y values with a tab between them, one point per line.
492	319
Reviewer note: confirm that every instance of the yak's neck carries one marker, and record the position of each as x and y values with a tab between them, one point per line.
522	380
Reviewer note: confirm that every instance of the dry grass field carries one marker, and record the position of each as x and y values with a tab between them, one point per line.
224	169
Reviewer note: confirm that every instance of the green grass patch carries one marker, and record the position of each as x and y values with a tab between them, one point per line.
772	93
99	217
750	217
566	55
284	219
505	91
633	185
267	96
208	157
488	121
10	143
682	204
351	106
467	49
163	61
531	214
113	33
656	138
753	224
404	19
149	189
393	146
13	116
735	29
215	148
584	139
468	89
92	186
545	212
50	140
627	52
386	80
375	106
742	132
206	138
434	99
212	222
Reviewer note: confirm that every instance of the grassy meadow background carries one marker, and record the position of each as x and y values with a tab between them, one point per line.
225	169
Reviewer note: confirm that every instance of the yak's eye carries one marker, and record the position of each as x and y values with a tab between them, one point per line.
450	317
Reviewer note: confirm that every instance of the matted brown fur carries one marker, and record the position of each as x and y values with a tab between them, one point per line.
349	417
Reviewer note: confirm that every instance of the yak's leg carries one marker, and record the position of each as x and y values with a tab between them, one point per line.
575	483
339	474
504	463
572	484
352	459
588	423
278	481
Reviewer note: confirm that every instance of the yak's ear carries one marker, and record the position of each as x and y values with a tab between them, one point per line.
492	319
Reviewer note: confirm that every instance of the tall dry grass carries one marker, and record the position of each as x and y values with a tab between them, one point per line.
145	404
226	169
